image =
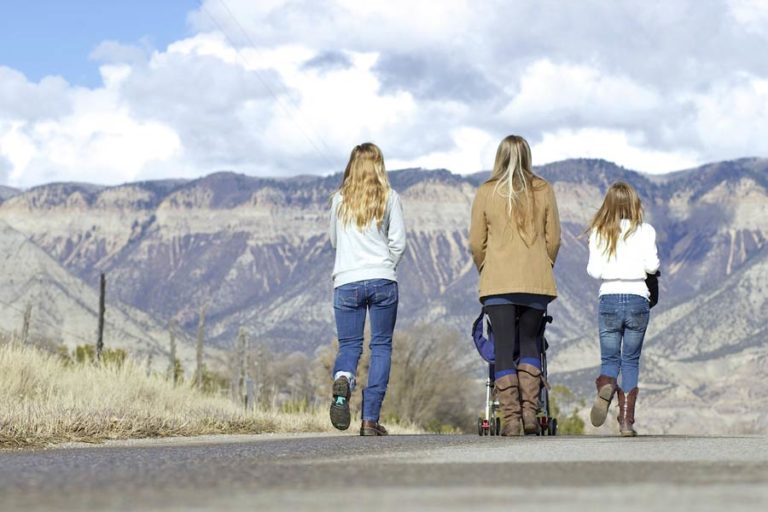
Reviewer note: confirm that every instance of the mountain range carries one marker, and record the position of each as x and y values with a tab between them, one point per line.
254	252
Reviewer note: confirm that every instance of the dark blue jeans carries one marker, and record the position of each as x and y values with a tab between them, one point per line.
350	303
622	320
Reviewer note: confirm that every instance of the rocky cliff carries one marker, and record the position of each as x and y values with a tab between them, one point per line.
255	252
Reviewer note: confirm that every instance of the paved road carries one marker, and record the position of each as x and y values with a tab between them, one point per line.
317	473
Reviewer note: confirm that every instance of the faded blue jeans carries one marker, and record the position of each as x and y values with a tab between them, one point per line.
623	320
350	303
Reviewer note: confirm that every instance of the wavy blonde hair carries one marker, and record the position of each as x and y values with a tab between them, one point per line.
516	182
365	187
621	202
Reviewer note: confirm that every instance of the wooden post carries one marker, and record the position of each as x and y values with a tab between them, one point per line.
200	335
25	326
102	293
250	394
172	351
257	382
242	342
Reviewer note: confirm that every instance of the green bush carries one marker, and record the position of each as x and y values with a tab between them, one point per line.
86	354
568	425
295	406
213	382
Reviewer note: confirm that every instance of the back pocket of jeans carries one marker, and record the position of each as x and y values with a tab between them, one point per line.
637	320
347	297
385	294
609	318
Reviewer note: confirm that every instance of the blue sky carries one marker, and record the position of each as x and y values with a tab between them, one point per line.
114	91
56	37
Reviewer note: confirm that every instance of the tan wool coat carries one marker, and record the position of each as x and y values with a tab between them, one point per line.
505	262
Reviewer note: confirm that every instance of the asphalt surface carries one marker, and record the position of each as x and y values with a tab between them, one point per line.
427	472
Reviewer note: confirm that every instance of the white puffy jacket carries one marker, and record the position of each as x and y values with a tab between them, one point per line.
625	271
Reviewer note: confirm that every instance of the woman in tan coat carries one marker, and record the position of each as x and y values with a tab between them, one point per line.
514	238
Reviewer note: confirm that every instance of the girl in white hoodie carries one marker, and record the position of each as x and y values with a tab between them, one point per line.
622	252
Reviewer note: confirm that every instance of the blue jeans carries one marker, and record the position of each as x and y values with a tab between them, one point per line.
622	320
350	303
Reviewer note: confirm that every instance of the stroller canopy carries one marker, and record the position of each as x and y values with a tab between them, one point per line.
483	343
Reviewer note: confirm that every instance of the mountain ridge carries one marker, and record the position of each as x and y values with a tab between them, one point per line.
255	252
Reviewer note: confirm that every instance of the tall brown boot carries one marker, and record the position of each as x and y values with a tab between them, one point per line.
606	387
508	394
627	412
530	388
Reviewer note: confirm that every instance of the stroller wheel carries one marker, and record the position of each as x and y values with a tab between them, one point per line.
480	426
552	427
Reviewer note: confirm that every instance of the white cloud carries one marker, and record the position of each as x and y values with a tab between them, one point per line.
292	86
750	14
472	150
732	118
101	145
627	149
557	94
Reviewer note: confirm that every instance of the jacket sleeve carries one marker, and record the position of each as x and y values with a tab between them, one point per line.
651	258
396	233
332	226
478	230
596	259
552	227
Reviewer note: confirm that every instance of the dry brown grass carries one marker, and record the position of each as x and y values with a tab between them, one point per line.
45	401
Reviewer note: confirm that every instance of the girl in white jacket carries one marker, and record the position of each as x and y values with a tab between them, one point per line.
622	251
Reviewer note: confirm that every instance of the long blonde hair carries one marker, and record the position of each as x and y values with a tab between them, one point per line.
365	187
621	202
515	181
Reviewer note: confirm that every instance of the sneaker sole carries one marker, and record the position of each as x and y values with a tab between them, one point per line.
600	408
340	416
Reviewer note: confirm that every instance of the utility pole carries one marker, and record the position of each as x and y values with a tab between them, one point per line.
102	293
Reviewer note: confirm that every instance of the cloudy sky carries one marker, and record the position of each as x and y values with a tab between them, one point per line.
116	91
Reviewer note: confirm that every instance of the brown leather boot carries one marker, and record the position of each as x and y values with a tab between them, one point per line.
372	428
627	412
508	395
606	387
530	389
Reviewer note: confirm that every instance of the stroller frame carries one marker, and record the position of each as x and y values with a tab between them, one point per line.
490	423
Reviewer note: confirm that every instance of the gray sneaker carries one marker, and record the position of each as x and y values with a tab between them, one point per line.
340	417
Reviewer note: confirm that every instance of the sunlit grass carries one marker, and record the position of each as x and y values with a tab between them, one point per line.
44	400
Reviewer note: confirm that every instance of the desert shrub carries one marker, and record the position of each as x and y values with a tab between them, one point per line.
45	399
177	376
571	424
295	406
86	354
429	385
213	382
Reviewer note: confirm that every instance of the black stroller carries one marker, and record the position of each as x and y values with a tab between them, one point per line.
490	424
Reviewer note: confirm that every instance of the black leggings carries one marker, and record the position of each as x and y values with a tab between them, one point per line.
515	332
